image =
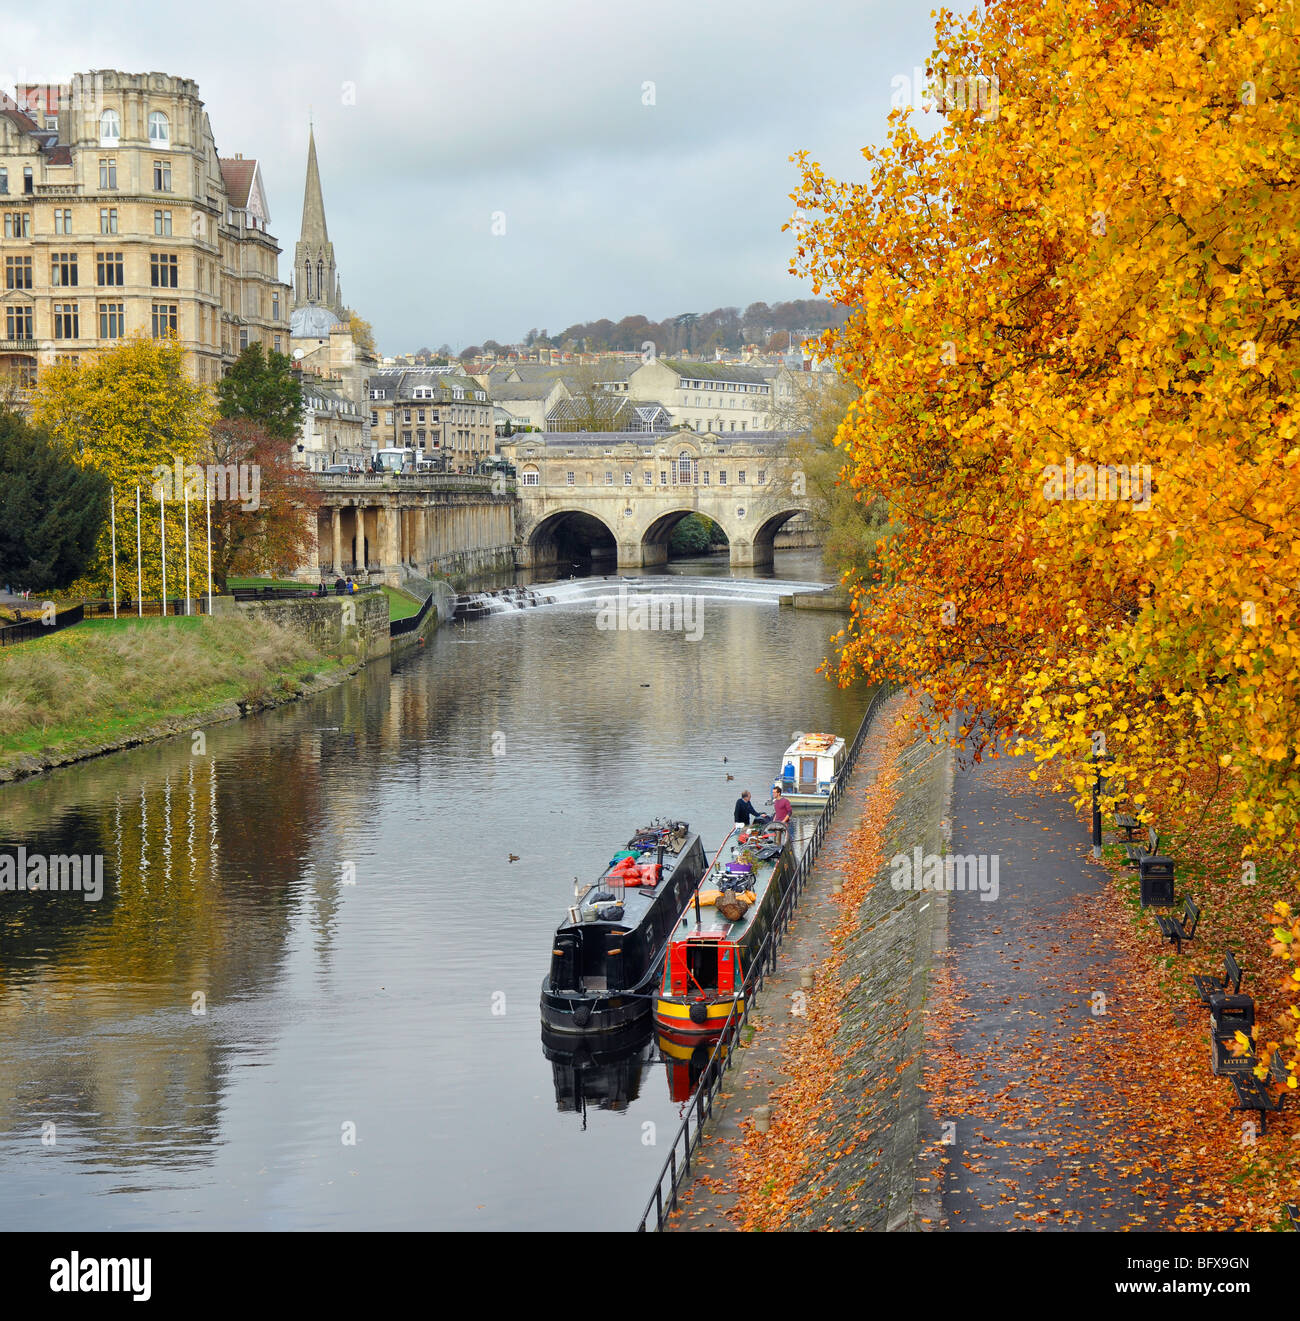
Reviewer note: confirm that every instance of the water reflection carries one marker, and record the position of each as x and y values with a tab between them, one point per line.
314	923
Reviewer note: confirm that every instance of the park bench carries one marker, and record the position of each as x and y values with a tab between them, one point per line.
1134	853
1210	990
1124	821
1180	929
1259	1095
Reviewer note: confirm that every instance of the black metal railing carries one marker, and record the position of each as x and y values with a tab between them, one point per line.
128	608
36	627
663	1201
397	627
246	594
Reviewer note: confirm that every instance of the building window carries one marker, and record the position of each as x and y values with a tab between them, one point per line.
627	477
609	478
276	343
421	415
568	479
740	477
62	221
162	176
530	477
406	415
63	269
275	309
762	476
18	323
663	476
18	272
28	182
388	417
108	220
110	128
243	339
67	324
649	478
108	173
18	224
722	477
112	322
704	478
162	222
164	272
160	133
4	179
108	268
374	417
164	322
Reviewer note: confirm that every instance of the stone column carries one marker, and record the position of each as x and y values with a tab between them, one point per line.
337	520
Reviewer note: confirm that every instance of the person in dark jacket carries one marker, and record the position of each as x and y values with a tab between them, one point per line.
745	810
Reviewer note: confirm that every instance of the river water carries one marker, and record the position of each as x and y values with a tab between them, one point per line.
308	998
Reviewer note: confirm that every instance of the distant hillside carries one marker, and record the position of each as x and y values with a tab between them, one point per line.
769	326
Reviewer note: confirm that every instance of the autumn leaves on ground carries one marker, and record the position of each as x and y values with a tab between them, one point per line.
1074	286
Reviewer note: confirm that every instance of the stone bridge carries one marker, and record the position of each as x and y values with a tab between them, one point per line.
382	526
620	495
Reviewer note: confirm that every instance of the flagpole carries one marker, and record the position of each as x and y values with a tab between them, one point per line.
112	525
207	506
139	563
187	550
162	523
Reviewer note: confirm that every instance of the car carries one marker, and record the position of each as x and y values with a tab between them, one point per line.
336	470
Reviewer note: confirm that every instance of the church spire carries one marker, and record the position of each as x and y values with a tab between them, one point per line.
314	230
315	276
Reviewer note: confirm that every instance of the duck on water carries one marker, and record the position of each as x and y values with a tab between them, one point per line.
607	955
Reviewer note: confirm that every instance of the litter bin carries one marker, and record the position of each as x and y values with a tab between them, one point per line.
1156	881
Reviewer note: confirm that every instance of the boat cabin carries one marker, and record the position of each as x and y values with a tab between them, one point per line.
810	765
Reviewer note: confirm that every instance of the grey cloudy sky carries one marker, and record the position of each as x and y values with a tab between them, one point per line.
534	109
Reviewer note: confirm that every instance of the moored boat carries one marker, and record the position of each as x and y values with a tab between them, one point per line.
606	955
810	768
721	930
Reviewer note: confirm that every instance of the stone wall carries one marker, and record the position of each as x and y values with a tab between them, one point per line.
356	625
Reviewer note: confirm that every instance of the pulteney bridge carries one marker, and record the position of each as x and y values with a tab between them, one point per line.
621	494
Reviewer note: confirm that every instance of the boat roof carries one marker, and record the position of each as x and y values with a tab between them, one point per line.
637	901
712	924
814	745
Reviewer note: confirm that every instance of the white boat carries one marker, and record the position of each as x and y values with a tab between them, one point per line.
809	769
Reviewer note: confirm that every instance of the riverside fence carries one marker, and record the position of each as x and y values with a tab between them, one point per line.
663	1200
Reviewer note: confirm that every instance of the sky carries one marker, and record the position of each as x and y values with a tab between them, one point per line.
502	165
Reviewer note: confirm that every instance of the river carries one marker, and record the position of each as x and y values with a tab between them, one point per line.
308	998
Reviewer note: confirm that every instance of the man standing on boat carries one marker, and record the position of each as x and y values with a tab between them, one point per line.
745	810
780	806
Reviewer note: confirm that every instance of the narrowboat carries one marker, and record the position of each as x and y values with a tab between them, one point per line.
722	928
606	955
809	769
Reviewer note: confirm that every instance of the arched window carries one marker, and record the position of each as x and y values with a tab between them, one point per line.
530	476
307	273
320	280
110	128
160	131
685	469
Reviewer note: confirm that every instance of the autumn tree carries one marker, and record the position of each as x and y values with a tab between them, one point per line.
264	511
363	333
1073	336
261	388
133	413
52	509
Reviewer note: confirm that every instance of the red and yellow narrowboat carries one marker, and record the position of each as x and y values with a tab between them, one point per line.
722	927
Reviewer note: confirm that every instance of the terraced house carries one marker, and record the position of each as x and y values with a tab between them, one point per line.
120	217
438	414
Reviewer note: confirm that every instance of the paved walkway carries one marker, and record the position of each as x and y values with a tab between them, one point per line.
1034	1127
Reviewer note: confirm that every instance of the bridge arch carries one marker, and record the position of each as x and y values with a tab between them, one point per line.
569	536
756	529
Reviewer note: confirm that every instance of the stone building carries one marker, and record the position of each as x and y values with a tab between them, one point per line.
119	217
332	429
439	414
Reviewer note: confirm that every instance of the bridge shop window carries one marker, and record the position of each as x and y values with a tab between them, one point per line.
609	478
663	476
530	477
722	477
762	476
649	477
740	477
569	479
627	477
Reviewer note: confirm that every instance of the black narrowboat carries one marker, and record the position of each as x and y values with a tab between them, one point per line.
607	955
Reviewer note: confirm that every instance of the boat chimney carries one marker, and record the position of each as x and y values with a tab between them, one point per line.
697	908
659	856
